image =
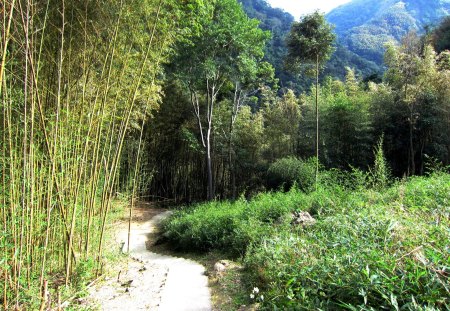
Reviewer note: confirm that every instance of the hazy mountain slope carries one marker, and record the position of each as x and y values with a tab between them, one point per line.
364	26
279	23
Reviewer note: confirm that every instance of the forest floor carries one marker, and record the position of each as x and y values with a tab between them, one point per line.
149	280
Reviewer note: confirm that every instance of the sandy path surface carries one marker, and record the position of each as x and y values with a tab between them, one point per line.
152	281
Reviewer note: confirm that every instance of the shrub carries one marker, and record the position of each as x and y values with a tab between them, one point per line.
231	226
286	172
380	174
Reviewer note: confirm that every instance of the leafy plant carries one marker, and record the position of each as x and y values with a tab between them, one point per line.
287	172
369	249
380	175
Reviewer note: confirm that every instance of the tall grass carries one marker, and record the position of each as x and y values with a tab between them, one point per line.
371	248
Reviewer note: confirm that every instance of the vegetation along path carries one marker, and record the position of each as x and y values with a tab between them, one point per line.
152	281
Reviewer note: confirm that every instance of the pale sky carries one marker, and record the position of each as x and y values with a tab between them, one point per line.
301	7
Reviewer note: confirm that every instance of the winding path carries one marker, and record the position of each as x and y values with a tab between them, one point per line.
153	281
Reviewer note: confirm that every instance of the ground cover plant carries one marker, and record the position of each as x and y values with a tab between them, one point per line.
370	248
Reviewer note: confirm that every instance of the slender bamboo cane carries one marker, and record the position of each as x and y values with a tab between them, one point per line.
4	200
123	132
6	37
135	178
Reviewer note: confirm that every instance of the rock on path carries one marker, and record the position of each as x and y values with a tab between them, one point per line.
153	281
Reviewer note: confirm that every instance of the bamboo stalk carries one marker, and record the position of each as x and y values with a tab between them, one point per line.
133	192
6	37
4	202
122	133
64	127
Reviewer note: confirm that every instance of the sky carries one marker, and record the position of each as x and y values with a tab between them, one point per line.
301	7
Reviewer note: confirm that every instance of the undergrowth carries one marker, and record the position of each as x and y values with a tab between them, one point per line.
84	272
370	249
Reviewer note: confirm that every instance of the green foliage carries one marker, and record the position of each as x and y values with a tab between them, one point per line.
343	58
282	118
228	44
417	105
310	40
380	175
368	249
287	172
346	131
226	54
382	250
228	226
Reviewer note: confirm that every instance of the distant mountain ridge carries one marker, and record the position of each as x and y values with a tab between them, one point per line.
279	23
364	26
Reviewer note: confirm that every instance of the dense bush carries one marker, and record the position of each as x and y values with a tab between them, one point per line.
231	227
370	248
286	172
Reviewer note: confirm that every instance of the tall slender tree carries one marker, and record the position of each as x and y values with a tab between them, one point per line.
310	43
229	45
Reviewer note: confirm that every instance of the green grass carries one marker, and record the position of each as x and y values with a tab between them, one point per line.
230	226
369	250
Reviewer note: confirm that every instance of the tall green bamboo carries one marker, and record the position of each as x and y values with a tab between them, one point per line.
68	97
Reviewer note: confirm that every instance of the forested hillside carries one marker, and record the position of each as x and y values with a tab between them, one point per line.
180	102
279	23
365	26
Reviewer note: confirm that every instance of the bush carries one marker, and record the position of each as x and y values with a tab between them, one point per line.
380	175
231	227
286	172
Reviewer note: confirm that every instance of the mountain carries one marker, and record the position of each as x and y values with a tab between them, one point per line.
279	23
365	26
362	26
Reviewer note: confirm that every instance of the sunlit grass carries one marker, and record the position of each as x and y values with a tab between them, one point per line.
369	249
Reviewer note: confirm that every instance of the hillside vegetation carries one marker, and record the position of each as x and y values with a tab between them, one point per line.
365	26
370	248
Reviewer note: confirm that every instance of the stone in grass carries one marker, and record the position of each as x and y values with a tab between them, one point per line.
224	265
303	219
220	266
252	307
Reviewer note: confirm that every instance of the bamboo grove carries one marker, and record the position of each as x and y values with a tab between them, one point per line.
76	77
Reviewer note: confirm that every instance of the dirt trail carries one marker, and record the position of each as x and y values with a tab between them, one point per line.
152	281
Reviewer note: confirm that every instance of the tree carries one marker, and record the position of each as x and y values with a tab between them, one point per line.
251	77
281	124
310	42
346	136
441	36
419	104
228	44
